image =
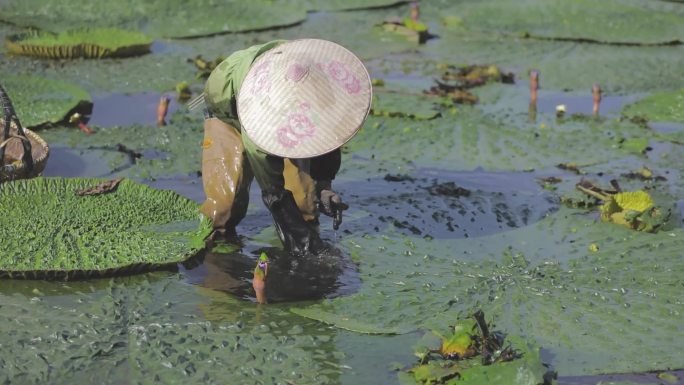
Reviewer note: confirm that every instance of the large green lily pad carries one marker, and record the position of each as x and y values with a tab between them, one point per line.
609	21
467	138
133	329
39	101
86	43
660	107
618	69
609	311
175	18
346	5
415	106
49	231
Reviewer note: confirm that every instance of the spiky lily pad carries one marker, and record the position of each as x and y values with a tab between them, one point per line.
49	231
40	101
618	21
169	18
85	43
660	107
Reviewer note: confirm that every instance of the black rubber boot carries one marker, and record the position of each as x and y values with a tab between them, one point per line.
298	236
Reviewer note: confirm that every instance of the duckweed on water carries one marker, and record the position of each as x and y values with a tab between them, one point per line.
48	230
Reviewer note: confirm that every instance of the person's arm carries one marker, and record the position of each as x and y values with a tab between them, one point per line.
323	170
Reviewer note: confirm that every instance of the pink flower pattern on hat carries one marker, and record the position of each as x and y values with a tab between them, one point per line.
298	127
341	74
262	81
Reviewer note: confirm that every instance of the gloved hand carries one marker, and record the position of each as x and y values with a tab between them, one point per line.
330	204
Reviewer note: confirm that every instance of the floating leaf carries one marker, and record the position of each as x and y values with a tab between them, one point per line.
346	323
608	311
660	107
169	18
85	43
48	230
621	22
40	101
404	105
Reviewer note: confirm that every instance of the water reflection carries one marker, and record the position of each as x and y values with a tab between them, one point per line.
118	109
328	275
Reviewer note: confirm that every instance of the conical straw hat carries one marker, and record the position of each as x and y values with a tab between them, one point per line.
304	98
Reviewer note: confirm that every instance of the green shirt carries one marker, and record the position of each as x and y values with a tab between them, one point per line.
223	85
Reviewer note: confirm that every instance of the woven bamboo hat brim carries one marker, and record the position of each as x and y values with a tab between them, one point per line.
304	98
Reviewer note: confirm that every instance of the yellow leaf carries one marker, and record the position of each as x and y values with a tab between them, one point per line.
634	200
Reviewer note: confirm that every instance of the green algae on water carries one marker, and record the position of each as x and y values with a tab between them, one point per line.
49	231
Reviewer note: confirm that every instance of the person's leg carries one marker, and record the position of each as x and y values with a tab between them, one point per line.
297	235
226	175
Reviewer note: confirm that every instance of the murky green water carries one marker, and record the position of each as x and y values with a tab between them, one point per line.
415	253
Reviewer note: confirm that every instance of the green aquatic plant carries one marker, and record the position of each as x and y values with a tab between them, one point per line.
40	101
633	209
49	230
474	354
84	43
